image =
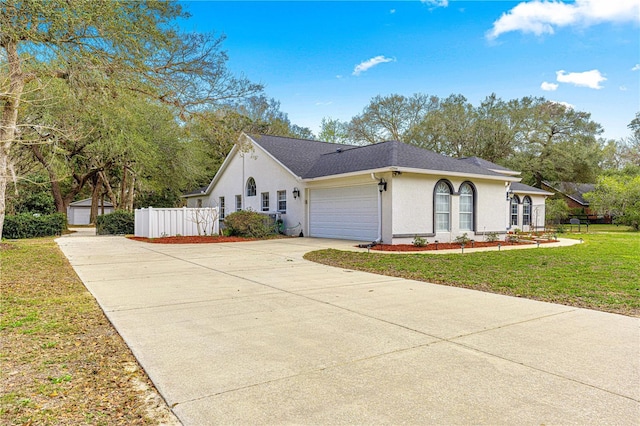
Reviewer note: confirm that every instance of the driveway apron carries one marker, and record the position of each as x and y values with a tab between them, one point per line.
251	333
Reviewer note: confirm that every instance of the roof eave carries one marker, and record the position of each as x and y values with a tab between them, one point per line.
501	178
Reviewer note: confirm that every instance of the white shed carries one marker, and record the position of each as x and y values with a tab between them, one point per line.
79	212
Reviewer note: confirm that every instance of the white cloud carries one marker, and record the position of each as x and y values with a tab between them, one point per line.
636	67
392	11
567	105
436	3
591	79
550	87
324	103
369	63
623	88
541	17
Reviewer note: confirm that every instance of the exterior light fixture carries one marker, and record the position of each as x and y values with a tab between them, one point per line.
382	185
296	192
509	195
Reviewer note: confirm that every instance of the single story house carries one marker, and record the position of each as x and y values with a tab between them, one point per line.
79	212
573	194
388	192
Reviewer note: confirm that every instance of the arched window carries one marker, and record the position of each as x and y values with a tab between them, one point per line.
526	211
466	207
251	187
442	206
514	210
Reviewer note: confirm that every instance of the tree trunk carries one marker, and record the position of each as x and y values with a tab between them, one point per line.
11	101
95	197
110	192
123	188
132	186
56	192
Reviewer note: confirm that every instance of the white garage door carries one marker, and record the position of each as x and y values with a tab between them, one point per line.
349	213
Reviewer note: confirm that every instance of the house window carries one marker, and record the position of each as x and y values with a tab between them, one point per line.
221	205
526	211
265	201
199	202
442	206
282	201
251	187
466	207
238	202
514	210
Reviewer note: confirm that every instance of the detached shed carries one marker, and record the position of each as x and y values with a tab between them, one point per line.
79	212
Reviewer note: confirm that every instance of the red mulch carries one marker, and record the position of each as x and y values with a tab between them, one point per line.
196	239
449	246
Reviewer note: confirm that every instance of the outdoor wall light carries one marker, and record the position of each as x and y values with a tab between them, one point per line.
509	195
296	192
382	185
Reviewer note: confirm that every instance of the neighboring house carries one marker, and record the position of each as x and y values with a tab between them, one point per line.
79	212
573	194
388	192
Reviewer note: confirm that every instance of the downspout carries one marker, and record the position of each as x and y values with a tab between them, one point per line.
379	239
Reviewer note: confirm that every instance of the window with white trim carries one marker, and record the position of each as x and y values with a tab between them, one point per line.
221	206
238	202
443	206
251	187
282	201
265	201
466	207
514	210
526	211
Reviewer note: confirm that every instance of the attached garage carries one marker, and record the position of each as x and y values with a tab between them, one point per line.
349	213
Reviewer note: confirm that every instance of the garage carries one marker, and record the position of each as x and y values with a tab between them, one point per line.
349	213
79	212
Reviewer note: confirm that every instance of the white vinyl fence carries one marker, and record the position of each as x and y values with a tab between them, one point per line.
153	223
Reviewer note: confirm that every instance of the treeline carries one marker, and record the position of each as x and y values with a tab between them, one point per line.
544	140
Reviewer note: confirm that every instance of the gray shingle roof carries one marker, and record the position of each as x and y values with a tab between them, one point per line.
572	190
312	159
521	187
486	164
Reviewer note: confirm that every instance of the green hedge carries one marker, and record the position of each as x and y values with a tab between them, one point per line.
116	223
28	225
247	223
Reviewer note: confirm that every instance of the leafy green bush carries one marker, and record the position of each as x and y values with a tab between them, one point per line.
118	222
247	223
27	225
419	241
491	237
462	239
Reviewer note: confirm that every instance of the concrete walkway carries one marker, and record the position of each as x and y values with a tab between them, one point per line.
250	333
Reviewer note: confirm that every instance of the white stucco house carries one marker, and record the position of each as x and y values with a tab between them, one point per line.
388	192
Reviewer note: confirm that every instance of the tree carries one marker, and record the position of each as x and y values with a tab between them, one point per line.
334	131
390	118
553	142
103	46
618	195
556	210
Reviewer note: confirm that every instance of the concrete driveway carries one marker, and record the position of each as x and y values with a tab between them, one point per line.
250	333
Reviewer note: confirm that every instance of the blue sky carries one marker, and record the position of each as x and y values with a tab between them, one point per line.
329	58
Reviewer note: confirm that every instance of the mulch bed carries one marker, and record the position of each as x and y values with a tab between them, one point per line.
449	246
196	239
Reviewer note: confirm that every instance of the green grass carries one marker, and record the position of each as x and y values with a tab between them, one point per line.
62	361
603	273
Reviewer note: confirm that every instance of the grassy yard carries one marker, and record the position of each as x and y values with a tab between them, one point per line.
62	361
602	273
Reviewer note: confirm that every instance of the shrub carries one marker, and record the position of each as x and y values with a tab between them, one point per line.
419	241
118	222
27	225
247	223
491	237
462	239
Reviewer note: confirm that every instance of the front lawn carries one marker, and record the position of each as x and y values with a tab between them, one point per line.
602	273
62	361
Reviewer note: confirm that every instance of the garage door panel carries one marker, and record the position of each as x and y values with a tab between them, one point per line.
345	213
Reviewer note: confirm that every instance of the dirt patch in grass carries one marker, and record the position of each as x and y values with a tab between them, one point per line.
62	361
450	246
